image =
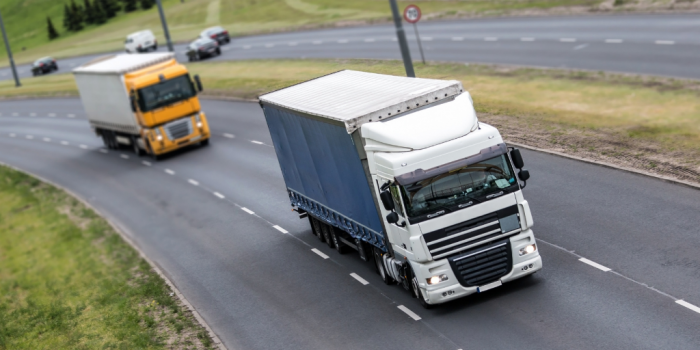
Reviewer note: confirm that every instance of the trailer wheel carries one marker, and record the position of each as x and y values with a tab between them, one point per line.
418	295
339	245
316	228
362	250
381	270
327	234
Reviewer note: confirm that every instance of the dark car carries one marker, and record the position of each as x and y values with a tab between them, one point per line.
202	48
216	33
44	65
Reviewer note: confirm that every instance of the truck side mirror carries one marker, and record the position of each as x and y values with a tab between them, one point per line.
517	158
387	200
132	100
392	217
523	175
198	82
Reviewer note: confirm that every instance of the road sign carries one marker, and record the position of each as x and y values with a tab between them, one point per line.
412	14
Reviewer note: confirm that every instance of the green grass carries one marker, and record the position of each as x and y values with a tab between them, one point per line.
68	281
25	20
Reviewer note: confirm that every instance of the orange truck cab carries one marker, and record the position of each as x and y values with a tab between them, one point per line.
146	101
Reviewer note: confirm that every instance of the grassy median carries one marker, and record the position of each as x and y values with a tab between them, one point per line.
647	123
68	281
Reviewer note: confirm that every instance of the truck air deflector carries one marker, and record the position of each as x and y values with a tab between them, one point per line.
335	218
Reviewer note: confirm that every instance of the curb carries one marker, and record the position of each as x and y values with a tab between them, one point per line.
610	165
127	238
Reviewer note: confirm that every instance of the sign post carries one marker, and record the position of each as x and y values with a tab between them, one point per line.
412	15
9	53
401	37
165	26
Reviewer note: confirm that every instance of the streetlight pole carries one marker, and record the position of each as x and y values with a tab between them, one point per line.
165	26
401	35
9	52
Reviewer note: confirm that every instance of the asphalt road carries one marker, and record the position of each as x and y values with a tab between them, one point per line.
257	282
666	45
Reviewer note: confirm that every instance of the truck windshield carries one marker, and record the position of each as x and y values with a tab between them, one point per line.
458	188
165	93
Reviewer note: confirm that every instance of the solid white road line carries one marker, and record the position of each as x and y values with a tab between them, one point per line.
613	41
104	150
230	136
83	146
280	229
664	42
193	182
12	135
359	279
256	142
594	264
170	172
124	156
247	210
319	253
567	40
688	305
490	39
65	143
527	39
146	163
409	312
219	195
47	139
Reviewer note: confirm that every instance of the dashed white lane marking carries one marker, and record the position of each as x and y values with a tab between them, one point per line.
613	41
146	163
457	38
568	40
582	46
32	114
317	42
319	253
104	150
83	146
230	136
269	45
369	40
71	116
124	156
247	210
15	114
256	142
29	137
46	139
342	41
12	135
52	115
359	279
170	172
490	39
394	39
688	305
246	47
65	143
193	182
293	43
527	39
409	312
219	195
594	264
280	229
664	42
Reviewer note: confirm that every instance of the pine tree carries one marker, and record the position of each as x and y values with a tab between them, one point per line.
109	7
53	34
89	12
129	5
66	17
147	4
99	13
76	16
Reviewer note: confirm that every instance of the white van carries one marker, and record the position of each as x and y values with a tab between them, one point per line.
142	41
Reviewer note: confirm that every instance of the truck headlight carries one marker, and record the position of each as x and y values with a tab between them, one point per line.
436	279
199	124
159	137
528	249
198	118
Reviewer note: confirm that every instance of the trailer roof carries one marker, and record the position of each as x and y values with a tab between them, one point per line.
123	63
355	98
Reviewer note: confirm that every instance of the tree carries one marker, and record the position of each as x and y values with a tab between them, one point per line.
53	34
129	5
89	12
76	16
99	13
67	17
109	7
147	4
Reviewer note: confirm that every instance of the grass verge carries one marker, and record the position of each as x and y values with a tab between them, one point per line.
68	281
648	123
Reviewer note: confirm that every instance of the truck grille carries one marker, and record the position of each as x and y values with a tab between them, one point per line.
466	235
483	265
178	128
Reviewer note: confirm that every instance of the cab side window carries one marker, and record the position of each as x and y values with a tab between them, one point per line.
397	200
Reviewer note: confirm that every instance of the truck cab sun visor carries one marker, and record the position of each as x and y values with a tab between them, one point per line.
420	174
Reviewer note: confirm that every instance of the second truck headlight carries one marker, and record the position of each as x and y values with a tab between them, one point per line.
198	119
436	279
528	249
159	137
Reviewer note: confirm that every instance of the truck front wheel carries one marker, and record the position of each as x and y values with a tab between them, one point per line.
381	270
135	145
418	295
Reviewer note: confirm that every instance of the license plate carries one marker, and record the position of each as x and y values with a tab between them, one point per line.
491	285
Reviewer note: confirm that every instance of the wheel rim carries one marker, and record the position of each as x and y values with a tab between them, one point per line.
380	267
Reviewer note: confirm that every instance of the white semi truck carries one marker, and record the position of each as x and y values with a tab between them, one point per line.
401	170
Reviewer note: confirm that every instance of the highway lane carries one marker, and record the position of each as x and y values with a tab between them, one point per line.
258	287
665	45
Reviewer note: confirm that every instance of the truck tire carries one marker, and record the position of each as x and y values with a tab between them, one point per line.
339	245
418	295
327	235
316	228
362	249
381	270
204	143
135	145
